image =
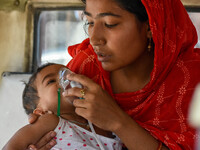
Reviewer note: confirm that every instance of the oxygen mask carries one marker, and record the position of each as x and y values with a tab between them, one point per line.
66	84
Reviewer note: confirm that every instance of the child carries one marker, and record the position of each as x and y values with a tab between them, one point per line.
41	97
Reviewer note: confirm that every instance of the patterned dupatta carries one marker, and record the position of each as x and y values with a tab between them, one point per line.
161	107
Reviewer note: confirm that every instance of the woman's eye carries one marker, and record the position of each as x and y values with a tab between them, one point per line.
89	23
110	25
51	81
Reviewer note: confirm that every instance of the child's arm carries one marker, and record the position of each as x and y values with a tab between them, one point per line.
31	133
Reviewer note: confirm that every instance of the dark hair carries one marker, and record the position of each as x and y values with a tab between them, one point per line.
30	96
133	6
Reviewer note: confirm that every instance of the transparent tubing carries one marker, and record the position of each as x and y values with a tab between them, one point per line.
95	135
65	83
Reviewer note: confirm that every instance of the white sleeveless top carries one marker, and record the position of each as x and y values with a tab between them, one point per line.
72	137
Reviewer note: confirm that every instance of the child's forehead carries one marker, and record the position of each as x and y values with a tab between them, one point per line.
49	70
52	68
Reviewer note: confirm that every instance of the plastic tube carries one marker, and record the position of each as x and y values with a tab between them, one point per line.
95	135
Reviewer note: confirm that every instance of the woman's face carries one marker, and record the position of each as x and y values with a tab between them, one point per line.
117	36
47	87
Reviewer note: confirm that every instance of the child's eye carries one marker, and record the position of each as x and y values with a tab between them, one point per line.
51	81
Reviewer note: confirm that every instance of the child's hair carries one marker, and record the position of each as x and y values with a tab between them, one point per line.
30	96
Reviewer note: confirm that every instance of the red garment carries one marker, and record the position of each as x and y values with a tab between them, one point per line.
161	107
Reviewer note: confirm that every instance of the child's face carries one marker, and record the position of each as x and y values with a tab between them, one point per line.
47	87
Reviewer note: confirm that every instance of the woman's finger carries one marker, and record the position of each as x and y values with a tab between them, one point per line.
81	112
31	147
72	92
78	92
47	141
48	146
79	103
85	81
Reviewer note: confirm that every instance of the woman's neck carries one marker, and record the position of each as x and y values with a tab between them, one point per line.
134	76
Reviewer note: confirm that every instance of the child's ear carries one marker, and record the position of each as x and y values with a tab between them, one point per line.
38	111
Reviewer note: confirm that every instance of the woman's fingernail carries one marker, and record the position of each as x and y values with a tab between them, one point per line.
65	93
68	76
53	134
31	148
52	143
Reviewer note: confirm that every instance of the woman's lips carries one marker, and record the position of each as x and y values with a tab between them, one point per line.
103	57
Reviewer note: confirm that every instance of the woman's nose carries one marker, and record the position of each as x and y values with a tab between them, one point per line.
96	35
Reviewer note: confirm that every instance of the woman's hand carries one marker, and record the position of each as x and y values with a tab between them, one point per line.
97	105
46	142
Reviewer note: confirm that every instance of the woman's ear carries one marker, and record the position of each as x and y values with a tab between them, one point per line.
38	111
149	33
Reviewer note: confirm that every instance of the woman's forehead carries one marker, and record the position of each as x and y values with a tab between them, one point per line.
102	6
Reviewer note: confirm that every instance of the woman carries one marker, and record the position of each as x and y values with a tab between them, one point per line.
147	64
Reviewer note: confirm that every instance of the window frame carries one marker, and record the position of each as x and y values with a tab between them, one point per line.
36	49
34	9
194	9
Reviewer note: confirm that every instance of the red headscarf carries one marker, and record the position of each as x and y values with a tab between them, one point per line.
161	107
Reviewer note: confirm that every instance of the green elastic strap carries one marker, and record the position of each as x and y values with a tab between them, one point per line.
58	109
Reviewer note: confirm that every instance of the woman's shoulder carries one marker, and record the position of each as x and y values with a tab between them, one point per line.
84	46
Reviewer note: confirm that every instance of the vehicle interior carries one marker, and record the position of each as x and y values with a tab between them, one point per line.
34	32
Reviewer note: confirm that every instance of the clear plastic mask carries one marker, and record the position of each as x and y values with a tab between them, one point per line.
64	82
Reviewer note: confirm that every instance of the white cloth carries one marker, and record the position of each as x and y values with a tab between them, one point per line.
72	137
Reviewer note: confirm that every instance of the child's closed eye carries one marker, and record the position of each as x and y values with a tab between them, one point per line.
51	81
